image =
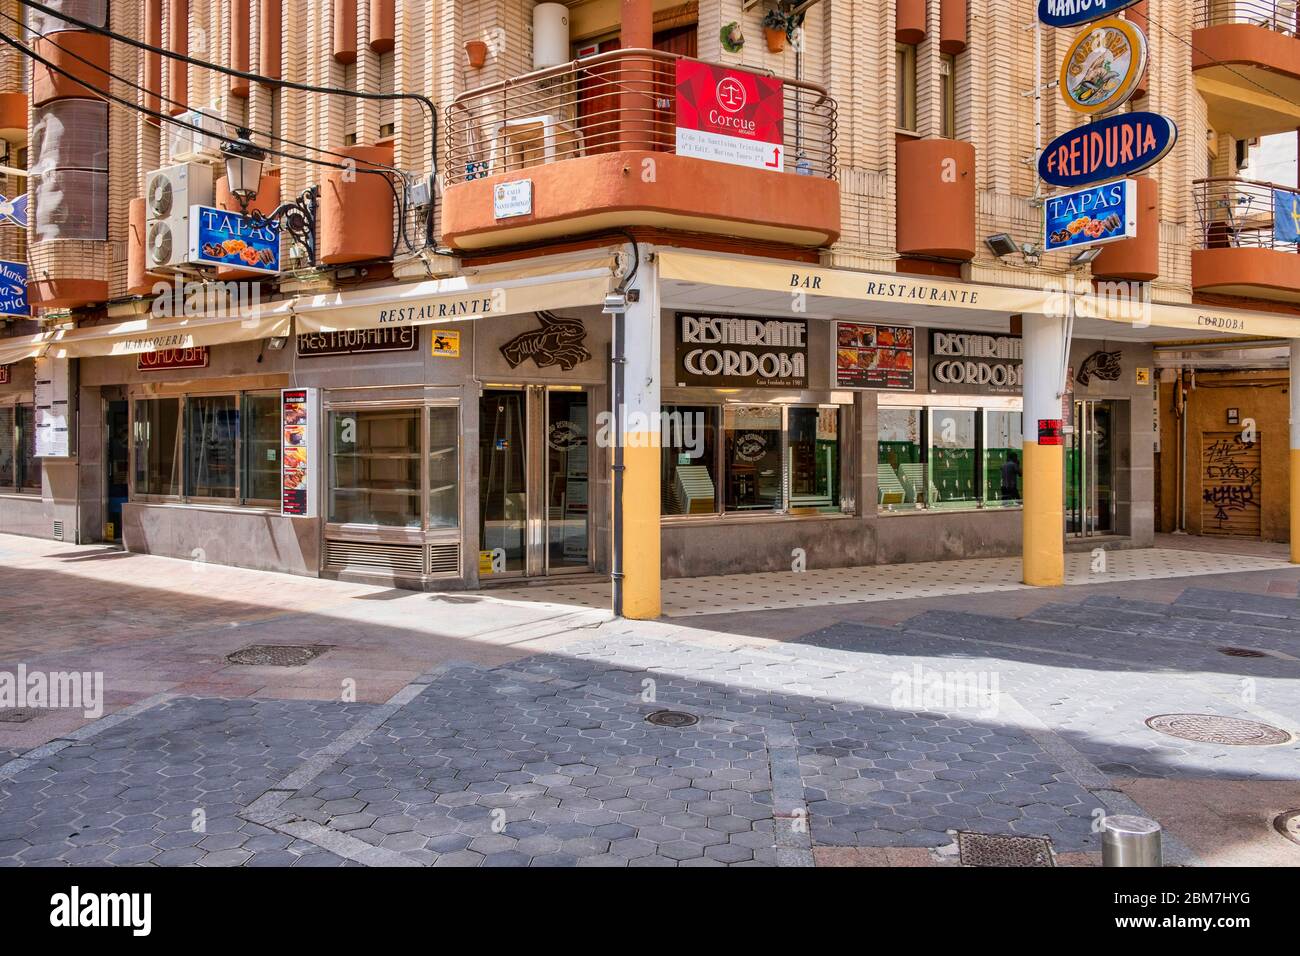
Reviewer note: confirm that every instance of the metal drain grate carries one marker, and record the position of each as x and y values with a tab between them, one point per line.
1241	652
1216	729
278	655
672	718
1288	824
993	849
18	715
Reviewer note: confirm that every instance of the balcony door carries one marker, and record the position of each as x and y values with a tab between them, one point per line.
534	481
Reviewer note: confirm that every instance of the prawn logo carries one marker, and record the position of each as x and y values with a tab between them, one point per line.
1103	67
1104	365
557	342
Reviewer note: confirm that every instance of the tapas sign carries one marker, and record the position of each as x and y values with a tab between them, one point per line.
1103	66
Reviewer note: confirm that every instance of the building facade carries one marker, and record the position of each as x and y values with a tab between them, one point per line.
547	318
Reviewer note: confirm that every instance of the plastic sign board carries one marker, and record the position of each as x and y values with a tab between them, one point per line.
1088	217
1071	13
1109	148
298	427
1286	216
13	289
875	356
13	212
730	116
220	237
1049	431
1103	66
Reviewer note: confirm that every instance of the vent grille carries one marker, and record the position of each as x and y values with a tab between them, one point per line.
444	559
58	531
398	558
410	559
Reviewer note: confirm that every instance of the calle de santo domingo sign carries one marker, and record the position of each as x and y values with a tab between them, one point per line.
736	351
991	363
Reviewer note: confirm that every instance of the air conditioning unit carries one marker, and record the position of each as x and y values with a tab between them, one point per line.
168	195
186	145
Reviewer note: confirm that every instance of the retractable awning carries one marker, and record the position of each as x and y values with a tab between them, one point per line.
912	298
151	334
22	347
460	298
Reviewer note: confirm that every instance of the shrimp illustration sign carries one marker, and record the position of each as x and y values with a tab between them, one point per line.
1090	216
1102	68
730	116
557	342
219	237
13	289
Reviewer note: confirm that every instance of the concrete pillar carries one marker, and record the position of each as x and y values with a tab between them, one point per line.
1294	395
1043	558
636	77
639	424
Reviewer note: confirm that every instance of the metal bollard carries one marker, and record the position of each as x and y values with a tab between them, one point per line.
1130	841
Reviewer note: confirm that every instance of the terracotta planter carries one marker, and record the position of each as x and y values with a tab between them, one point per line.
775	40
476	50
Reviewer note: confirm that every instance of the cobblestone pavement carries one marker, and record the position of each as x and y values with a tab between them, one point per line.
853	735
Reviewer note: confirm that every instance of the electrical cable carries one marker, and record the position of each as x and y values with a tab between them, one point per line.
425	101
399	199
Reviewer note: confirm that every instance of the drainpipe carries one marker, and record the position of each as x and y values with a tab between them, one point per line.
616	306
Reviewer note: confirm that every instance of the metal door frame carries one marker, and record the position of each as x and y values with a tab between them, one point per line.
1084	440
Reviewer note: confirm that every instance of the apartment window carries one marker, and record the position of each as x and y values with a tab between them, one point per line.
20	469
222	448
905	61
948	96
751	459
948	458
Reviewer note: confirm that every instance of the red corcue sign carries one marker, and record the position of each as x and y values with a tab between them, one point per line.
730	116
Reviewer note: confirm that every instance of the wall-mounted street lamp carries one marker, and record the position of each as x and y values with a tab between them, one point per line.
244	161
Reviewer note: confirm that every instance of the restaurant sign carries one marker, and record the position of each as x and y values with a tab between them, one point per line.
1071	13
875	356
976	362
730	116
13	289
219	237
402	338
166	359
298	424
1110	148
1090	216
733	351
1103	66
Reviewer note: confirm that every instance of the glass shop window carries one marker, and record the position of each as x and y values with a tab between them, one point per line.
1003	459
752	455
211	446
900	459
20	469
813	458
952	458
261	438
444	467
689	461
375	467
157	446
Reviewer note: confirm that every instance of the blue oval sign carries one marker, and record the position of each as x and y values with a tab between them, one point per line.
1111	148
1070	13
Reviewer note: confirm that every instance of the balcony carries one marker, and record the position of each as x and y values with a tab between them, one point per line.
1246	56
597	140
1239	248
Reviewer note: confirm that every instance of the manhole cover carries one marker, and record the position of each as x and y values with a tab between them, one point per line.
1241	652
672	718
18	715
991	849
278	655
1288	824
1216	729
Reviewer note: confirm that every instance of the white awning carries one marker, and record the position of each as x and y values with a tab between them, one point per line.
22	347
459	298
151	334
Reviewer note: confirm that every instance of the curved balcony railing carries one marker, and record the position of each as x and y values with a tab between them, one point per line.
1279	15
610	102
1241	214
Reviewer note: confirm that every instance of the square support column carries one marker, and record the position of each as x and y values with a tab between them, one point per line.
639	424
1294	461
1043	555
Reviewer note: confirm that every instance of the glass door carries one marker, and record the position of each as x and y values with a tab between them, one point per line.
117	465
534	481
1089	470
503	480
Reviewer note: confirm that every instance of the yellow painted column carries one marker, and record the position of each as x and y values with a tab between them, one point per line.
1295	451
640	426
1043	555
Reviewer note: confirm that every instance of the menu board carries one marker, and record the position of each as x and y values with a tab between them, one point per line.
51	392
875	356
298	432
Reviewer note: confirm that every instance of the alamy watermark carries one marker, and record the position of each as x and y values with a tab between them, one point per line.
53	690
923	689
